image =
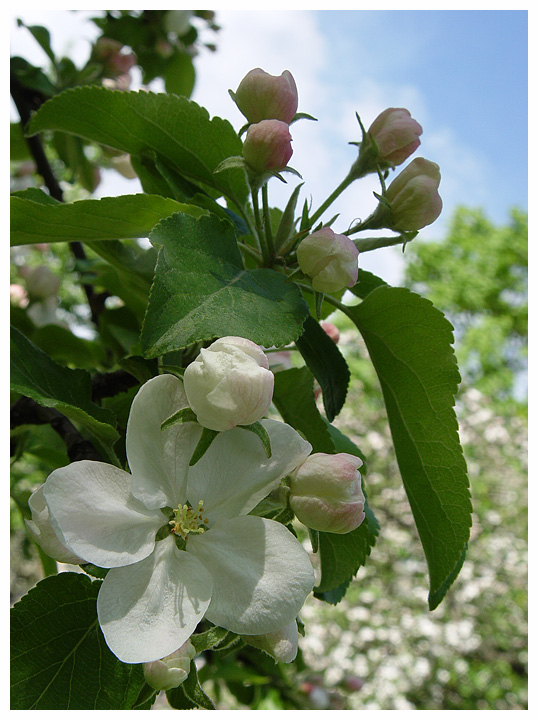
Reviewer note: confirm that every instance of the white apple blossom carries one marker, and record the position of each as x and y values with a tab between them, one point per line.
245	573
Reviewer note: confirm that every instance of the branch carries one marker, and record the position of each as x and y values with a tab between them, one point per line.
27	412
26	101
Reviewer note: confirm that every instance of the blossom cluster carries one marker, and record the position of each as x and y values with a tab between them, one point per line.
179	540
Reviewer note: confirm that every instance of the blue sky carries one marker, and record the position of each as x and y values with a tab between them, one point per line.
462	74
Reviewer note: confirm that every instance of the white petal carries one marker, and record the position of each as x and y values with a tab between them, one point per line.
235	474
148	610
42	531
261	574
159	458
94	514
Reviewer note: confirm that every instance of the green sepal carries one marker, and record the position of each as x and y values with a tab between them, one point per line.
181	416
258	429
205	441
209	639
302	116
193	690
314	539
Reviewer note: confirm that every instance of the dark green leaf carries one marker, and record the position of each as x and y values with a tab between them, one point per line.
204	443
327	365
294	399
180	75
366	282
18	146
170	126
409	342
183	415
111	218
60	660
36	375
342	555
202	291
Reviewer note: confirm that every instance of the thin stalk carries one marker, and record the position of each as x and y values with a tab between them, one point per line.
332	197
267	222
328	298
259	227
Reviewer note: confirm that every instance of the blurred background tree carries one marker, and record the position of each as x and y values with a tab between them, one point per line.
477	276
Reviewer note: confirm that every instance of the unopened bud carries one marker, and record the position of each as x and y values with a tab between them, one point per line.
42	283
261	96
413	196
412	199
229	384
329	259
172	670
396	135
281	644
40	528
267	146
332	331
178	21
326	493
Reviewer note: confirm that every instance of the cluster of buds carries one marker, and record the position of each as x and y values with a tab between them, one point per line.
115	63
269	104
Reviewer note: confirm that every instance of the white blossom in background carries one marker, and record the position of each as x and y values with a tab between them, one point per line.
245	573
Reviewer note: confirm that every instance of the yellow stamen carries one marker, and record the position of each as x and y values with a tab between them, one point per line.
187	520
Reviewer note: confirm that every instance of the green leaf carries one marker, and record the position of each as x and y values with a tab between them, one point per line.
327	365
111	218
342	555
36	375
62	346
170	126
60	660
294	399
366	282
409	342
18	147
202	291
209	639
180	75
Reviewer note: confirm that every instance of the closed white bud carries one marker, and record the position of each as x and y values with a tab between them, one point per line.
329	259
229	384
172	670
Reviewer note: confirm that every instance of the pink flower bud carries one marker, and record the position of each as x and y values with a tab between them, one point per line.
332	331
326	493
280	644
396	135
229	384
413	197
261	96
267	146
18	295
172	670
329	259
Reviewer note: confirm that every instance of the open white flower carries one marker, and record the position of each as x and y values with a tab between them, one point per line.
244	573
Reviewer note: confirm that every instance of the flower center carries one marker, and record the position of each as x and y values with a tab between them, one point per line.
189	520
